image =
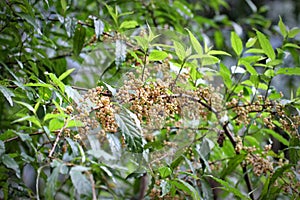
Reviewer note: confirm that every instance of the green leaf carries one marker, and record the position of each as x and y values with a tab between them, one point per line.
131	130
282	28
179	50
195	43
40	85
157	55
52	184
28	106
209	60
225	73
65	74
229	188
233	164
236	43
293	32
186	187
80	181
55	115
142	42
63	4
32	119
78	39
276	136
288	71
248	66
9	162
56	81
2	148
291	45
164	171
294	151
266	45
7	94
129	24
56	124
217	52
251	42
74	123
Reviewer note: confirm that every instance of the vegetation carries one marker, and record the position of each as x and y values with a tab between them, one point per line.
147	100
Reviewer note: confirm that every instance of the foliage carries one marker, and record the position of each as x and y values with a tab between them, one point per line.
164	116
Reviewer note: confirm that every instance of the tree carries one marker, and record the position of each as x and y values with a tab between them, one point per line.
98	101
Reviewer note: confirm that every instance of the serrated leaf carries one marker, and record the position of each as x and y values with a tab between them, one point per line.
65	74
293	32
195	43
164	171
209	60
78	39
79	180
157	55
142	42
7	94
128	24
229	188
40	85
236	43
282	28
32	119
266	45
288	71
233	164
9	162
130	131
179	50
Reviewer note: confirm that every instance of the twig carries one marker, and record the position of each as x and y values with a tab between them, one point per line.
57	138
17	137
93	186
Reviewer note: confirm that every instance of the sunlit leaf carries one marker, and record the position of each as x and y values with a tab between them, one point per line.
156	55
236	43
164	171
266	45
282	28
293	32
288	71
65	74
195	43
128	24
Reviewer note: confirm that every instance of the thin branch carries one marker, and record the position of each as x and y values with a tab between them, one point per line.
93	186
57	138
17	137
